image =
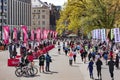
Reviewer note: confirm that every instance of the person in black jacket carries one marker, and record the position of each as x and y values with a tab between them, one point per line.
98	66
117	61
10	50
111	64
41	62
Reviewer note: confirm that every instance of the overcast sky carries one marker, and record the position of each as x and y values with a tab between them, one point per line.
55	2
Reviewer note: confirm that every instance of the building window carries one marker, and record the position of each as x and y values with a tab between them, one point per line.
43	22
34	10
5	21
43	10
33	23
38	22
38	10
5	15
43	16
33	16
5	2
5	9
38	16
0	20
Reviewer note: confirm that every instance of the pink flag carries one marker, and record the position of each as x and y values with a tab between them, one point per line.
45	33
56	34
6	34
15	34
42	34
25	35
38	34
51	33
32	34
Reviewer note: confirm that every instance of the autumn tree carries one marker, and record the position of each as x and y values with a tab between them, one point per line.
87	15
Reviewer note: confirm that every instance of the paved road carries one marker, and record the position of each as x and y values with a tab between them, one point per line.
60	69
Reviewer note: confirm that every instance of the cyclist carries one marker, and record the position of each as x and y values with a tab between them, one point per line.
23	61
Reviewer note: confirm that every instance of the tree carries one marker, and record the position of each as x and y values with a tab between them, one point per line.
89	14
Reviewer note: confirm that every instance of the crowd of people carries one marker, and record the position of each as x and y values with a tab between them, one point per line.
27	55
94	51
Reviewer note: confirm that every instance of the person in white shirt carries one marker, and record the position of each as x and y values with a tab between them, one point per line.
59	49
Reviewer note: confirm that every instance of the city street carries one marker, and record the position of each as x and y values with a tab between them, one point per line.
60	69
91	27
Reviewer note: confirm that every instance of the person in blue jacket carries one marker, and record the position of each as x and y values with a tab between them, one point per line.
90	67
48	60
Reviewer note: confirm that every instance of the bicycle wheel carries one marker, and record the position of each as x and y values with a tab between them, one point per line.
26	72
18	72
33	70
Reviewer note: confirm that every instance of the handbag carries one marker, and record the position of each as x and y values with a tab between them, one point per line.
50	60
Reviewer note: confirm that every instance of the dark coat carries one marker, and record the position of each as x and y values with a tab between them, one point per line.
99	64
111	64
10	48
48	58
14	50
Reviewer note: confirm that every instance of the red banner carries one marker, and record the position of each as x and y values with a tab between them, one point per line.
6	34
13	62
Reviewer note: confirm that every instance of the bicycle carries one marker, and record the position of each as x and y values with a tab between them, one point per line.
26	71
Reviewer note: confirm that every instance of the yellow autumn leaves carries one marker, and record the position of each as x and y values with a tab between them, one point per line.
87	15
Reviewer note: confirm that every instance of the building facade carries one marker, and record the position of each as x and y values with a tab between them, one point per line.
40	16
54	16
3	13
18	13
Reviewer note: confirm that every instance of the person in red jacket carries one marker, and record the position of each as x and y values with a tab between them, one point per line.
111	54
30	57
70	55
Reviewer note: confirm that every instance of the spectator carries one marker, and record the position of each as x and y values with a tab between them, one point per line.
10	50
41	62
48	60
